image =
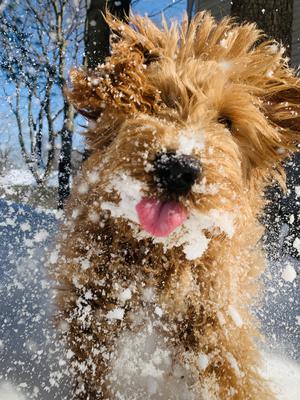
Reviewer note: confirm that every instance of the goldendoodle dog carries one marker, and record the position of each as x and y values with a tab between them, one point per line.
160	255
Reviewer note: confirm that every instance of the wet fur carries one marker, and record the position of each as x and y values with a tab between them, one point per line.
156	84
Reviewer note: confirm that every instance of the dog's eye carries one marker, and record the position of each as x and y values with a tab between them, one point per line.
225	121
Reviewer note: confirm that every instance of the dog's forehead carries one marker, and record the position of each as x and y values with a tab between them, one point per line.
198	86
195	71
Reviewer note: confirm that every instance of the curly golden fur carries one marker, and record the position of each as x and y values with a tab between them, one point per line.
219	83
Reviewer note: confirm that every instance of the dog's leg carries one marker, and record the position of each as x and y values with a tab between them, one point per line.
89	340
214	325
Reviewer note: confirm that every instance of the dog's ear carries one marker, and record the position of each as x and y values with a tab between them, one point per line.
121	81
282	108
279	92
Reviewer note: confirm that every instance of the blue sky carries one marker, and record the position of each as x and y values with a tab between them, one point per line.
8	132
151	7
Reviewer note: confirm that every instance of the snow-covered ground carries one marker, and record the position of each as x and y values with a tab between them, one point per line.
32	364
23	177
31	359
285	376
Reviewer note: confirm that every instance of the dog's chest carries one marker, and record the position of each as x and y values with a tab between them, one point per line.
149	361
145	365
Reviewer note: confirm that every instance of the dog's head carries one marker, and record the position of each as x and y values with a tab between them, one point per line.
188	125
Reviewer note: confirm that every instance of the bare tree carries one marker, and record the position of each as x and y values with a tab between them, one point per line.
39	41
5	159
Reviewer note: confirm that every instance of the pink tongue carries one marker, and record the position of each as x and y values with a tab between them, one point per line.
158	218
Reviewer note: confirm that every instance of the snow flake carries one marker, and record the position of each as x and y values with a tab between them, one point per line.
70	354
203	361
94	216
225	65
221	318
53	257
125	295
296	244
85	264
117	313
273	48
25	227
158	311
93	177
83	188
75	213
234	365
289	274
234	314
41	235
189	141
130	191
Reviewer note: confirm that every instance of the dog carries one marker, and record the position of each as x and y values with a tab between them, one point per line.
160	255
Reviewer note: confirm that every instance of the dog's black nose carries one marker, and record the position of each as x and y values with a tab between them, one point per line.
176	173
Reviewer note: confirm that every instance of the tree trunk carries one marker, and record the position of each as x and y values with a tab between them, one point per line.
96	36
65	164
274	17
97	31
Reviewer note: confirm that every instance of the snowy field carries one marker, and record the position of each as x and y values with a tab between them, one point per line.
15	177
32	364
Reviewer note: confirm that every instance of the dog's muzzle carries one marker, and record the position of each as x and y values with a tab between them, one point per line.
176	173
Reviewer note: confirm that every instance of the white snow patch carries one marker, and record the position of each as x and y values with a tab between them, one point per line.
41	236
292	219
83	188
21	177
221	318
234	365
203	361
144	367
149	295
130	191
225	65
85	264
234	314
93	177
280	150
53	257
94	217
226	40
289	274
125	295
75	213
8	392
273	48
204	188
25	227
190	234
284	376
297	191
189	141
117	313
296	244
158	311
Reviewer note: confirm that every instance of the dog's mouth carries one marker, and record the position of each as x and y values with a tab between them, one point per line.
160	218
